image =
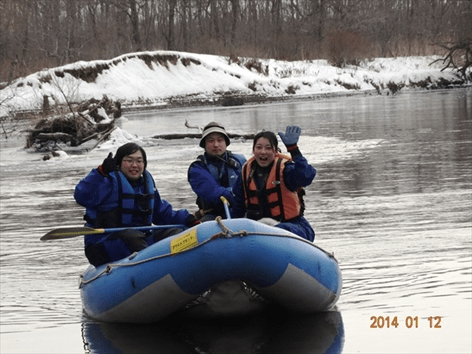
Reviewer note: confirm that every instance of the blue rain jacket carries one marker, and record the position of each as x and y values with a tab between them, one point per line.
211	178
100	194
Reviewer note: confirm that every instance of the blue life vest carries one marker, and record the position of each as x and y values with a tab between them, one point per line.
225	170
125	207
229	170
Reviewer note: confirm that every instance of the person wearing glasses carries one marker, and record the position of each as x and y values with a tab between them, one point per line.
121	193
213	174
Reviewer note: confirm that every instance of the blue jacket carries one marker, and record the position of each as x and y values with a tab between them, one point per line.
100	196
211	178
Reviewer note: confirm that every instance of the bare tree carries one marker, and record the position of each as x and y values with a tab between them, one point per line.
46	33
236	9
458	57
170	30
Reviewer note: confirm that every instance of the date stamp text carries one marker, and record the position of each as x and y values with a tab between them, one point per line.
408	322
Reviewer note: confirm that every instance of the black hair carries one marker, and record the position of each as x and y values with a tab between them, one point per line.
269	136
129	149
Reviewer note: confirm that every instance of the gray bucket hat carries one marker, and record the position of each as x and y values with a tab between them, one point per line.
213	127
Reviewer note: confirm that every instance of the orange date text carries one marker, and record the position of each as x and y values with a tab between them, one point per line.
408	322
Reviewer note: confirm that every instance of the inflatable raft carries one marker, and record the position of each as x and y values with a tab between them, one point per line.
220	268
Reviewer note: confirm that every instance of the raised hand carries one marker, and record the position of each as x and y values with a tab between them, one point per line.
108	165
291	135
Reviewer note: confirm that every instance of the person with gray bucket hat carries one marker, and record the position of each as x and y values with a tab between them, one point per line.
213	174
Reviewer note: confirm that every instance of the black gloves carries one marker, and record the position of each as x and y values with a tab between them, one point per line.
201	213
192	221
108	165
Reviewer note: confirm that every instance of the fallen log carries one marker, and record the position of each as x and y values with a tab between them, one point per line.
198	136
58	136
90	137
82	115
104	136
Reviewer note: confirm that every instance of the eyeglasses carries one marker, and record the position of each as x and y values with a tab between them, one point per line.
132	161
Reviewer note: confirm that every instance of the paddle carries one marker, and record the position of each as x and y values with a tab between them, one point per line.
69	232
226	203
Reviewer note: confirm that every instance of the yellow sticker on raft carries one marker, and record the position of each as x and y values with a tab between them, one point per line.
184	242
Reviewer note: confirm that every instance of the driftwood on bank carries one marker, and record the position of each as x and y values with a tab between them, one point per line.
90	121
54	136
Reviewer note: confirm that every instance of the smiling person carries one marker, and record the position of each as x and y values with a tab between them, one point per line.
121	193
214	173
272	184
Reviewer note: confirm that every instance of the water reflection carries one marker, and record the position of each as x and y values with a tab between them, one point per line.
391	199
268	333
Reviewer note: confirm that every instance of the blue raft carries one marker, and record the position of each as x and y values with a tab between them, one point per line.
220	268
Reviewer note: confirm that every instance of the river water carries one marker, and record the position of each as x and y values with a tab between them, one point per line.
392	199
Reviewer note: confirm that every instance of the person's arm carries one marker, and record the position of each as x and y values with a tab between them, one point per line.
205	186
164	214
298	173
238	207
93	189
96	186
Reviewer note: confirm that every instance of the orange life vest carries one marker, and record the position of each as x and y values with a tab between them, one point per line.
283	203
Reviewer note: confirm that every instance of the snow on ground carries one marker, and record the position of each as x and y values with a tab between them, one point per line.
157	78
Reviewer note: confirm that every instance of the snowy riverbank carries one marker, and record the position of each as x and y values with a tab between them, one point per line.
169	79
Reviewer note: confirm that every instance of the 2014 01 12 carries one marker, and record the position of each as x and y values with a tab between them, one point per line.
409	322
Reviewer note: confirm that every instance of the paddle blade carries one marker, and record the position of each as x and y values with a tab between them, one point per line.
70	232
